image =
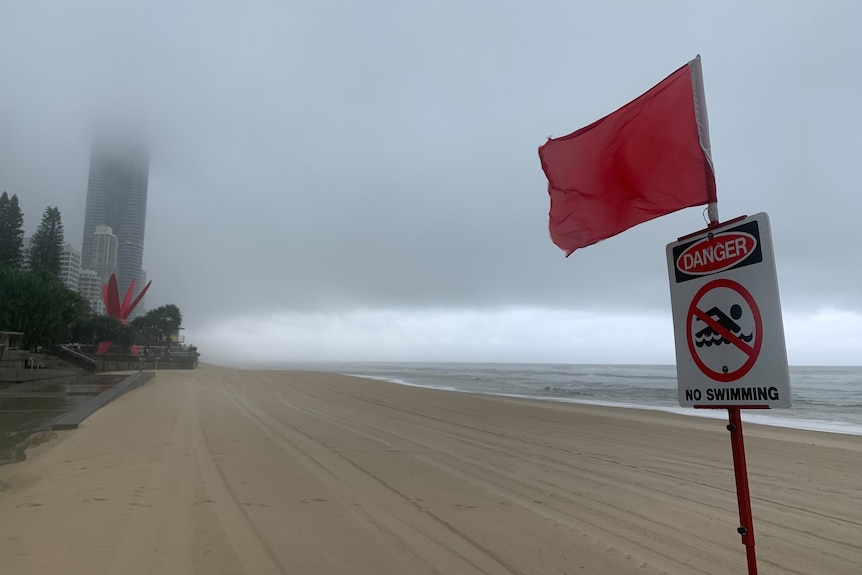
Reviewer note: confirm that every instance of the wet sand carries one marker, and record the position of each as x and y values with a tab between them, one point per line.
31	407
228	471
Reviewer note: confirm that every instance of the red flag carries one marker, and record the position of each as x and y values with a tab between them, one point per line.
649	158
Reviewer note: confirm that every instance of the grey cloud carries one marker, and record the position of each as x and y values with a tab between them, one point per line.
343	156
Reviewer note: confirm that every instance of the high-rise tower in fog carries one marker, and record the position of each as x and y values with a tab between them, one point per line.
117	198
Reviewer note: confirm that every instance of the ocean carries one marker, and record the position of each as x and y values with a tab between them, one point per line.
824	398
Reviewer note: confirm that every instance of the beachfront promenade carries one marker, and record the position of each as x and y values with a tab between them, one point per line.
223	471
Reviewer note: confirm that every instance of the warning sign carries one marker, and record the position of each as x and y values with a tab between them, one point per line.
727	317
724	330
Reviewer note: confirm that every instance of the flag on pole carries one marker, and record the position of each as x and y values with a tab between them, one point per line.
649	158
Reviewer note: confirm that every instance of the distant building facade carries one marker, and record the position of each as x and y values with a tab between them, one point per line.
104	260
70	266
25	252
90	287
141	309
117	198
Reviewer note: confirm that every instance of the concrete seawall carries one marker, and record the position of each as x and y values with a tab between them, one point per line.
20	374
74	418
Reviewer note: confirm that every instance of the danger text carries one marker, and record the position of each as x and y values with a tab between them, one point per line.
715	252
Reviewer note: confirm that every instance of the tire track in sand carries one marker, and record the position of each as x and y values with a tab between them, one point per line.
434	542
255	556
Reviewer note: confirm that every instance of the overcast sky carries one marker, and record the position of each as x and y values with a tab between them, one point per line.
360	180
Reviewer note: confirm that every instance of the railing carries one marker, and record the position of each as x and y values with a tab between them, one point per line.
149	358
75	357
156	358
150	363
173	349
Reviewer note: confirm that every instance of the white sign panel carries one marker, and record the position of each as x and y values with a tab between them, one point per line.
727	323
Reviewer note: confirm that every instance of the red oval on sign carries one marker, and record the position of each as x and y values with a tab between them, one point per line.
710	255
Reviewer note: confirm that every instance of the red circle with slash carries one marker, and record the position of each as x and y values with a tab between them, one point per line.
751	351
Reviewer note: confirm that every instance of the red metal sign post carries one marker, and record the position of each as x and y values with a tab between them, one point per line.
743	496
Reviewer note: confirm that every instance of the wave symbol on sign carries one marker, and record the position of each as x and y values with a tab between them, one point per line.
709	337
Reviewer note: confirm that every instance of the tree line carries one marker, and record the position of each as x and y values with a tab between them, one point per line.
153	328
35	301
46	245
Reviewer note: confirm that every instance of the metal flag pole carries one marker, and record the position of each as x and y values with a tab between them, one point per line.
712	214
743	495
737	445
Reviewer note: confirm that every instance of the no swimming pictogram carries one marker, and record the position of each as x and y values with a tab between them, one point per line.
724	330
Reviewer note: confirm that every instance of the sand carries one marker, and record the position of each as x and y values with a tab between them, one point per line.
225	471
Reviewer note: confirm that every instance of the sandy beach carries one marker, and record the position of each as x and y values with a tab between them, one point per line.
227	471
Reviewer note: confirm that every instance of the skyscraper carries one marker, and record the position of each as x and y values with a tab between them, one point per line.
117	198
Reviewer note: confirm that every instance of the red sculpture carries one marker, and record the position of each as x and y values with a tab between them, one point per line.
111	297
